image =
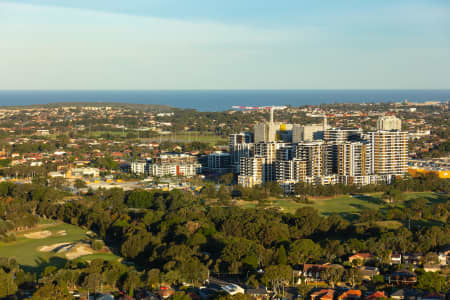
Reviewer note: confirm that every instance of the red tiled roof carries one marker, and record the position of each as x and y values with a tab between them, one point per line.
376	295
323	294
361	255
350	293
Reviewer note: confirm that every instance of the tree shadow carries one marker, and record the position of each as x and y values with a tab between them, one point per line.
41	264
358	206
440	198
418	224
368	198
349	216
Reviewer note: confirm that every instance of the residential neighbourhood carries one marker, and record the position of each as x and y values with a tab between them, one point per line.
317	202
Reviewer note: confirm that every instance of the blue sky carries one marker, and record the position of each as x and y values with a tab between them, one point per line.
212	44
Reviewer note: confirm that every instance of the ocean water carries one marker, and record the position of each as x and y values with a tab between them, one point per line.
217	100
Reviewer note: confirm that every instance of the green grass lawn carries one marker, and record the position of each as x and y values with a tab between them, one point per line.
326	206
181	137
191	137
99	133
26	250
345	204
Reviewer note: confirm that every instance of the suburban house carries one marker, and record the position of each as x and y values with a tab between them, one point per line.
233	289
314	272
433	296
443	259
432	268
396	259
367	273
350	295
207	293
165	292
323	294
364	257
444	256
375	296
402	277
412	258
404	294
258	293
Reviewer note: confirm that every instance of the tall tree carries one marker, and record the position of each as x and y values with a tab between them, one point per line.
302	251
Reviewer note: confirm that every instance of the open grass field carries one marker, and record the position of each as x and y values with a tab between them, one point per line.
346	204
26	249
181	137
99	133
191	137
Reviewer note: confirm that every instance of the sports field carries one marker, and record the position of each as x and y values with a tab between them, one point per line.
180	137
183	137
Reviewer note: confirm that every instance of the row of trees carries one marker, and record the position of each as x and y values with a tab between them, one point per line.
174	232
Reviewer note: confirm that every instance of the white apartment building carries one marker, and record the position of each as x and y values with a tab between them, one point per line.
315	156
140	167
389	152
252	171
389	123
173	169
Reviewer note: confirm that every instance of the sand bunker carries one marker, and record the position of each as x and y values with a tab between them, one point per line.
55	247
71	250
79	250
38	234
65	248
61	233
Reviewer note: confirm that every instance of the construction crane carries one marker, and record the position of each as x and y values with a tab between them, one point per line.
271	108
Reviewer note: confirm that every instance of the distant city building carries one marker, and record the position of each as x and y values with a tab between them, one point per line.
169	164
219	162
354	158
174	169
266	132
140	167
269	152
314	154
241	138
338	135
418	134
82	172
354	163
291	170
42	132
252	171
307	133
389	153
389	123
317	154
241	145
439	167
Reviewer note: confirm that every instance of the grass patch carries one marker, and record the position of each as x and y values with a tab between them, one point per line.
192	137
181	137
346	204
26	251
326	206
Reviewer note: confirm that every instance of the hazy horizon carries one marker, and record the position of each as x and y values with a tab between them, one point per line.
219	100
